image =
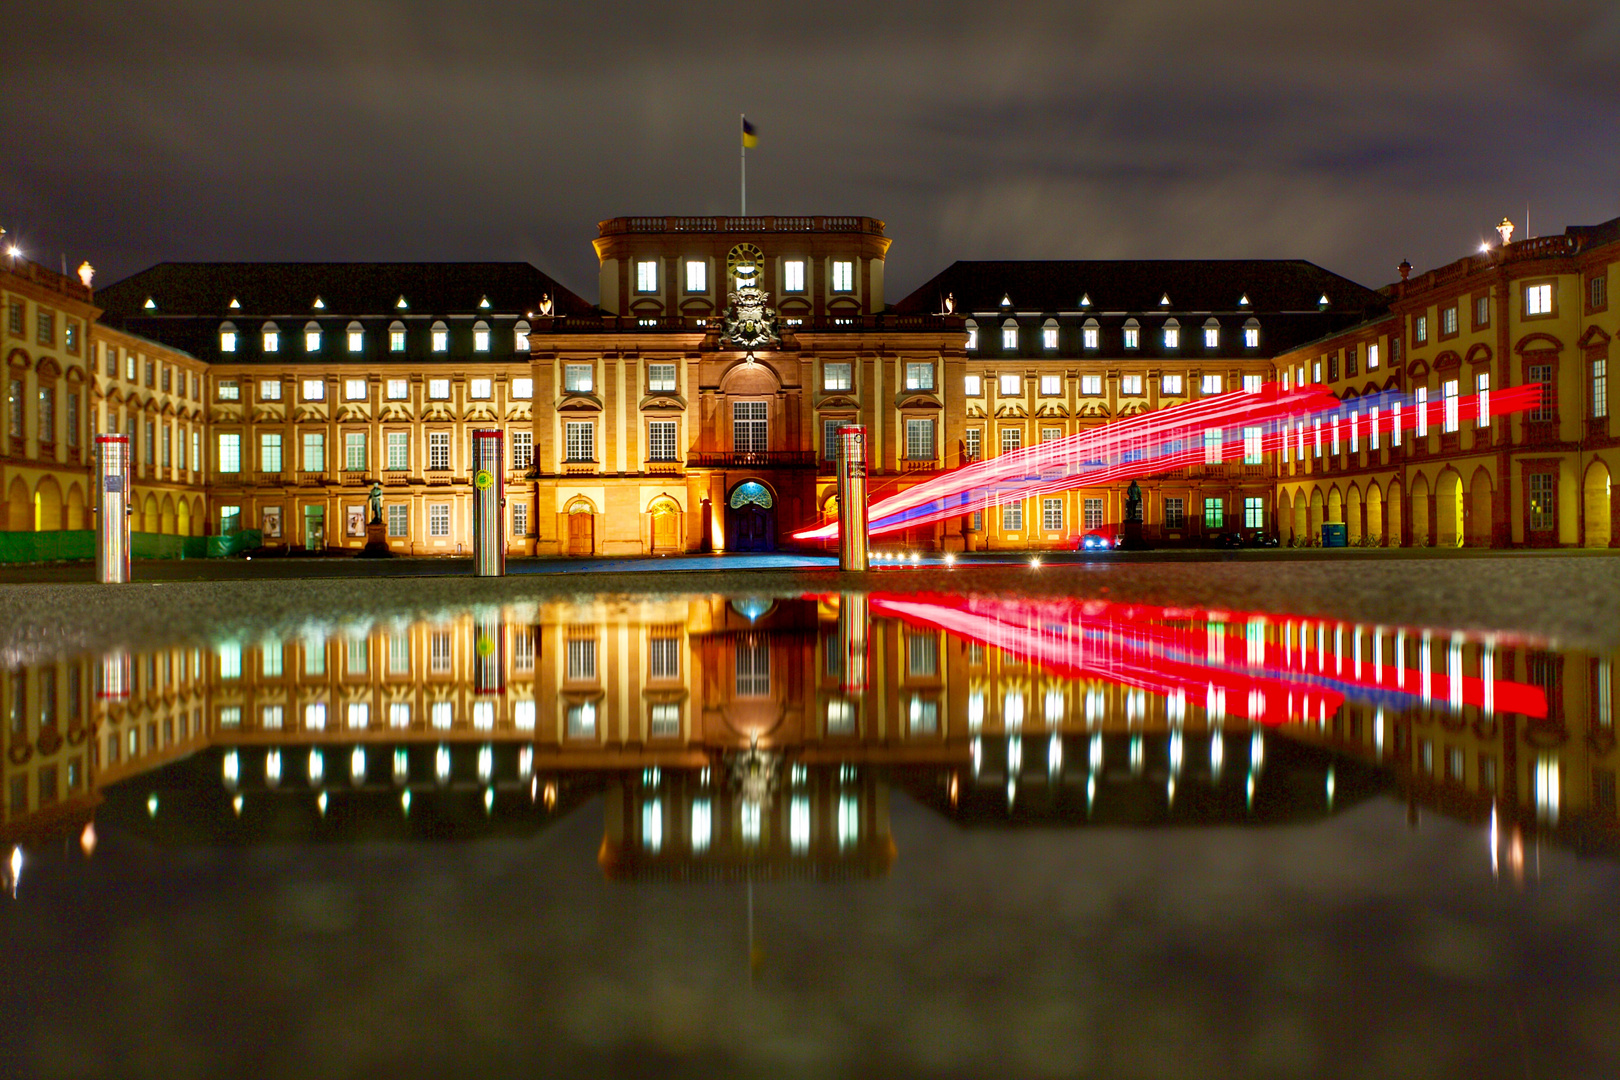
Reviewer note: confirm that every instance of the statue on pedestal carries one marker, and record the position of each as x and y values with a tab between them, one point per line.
374	501
1133	502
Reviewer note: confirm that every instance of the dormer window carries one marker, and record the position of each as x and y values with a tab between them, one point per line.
227	337
1172	334
441	337
270	336
1212	334
480	336
1133	334
396	336
1251	334
520	337
1009	336
1090	334
357	337
697	276
1049	335
312	337
972	329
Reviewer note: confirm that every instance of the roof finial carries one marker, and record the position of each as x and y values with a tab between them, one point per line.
1405	269
1506	231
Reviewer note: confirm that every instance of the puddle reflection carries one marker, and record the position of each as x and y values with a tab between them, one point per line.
762	737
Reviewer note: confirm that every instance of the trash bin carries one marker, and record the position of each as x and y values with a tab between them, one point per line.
1334	534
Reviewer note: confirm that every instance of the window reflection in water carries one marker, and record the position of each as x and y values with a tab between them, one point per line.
766	756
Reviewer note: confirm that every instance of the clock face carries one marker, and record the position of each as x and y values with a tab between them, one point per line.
743	265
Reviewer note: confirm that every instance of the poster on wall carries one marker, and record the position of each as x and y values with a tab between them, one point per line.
270	522
356	516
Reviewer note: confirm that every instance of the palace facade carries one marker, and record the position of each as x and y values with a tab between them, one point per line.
272	396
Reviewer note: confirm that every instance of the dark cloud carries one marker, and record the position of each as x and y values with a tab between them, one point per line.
1352	135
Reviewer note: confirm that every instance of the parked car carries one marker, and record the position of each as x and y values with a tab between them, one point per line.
1096	541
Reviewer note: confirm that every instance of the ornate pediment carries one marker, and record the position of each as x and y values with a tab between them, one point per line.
663	403
975	410
837	399
912	399
353	414
1096	407
1447	360
1593	337
580	403
1011	411
1054	409
1478	353
395	411
518	411
483	412
48	368
1133	408
438	412
1538	343
309	413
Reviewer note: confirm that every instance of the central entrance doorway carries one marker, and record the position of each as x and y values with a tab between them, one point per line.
314	527
581	530
751	518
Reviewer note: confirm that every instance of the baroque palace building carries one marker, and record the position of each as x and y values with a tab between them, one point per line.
271	396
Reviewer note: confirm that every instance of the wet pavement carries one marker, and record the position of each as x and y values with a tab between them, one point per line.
1307	817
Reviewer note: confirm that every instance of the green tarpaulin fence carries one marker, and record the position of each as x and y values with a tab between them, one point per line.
68	544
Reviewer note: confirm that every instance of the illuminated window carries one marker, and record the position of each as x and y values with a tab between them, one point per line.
1052	515
1092	513
973	444
1133	334
1051	434
314	459
312	338
1049	337
270	452
1012	385
919	376
1482	387
1372	357
354	389
230	452
647	276
1254	512
1538	299
972	335
227	338
441	337
1448	394
523	450
1448	320
354	451
1011	439
1600	388
1251	337
1170	386
480	336
1172	336
581	440
1130	385
1420	329
480	389
1091	384
793	276
1051	385
1482	311
269	389
661	378
973	385
919	440
697	276
523	388
578	378
314	389
1214	513
1253	383
1089	335
439	389
1213	441
1422	406
1009	338
1212	337
1210	384
843	276
399	389
396	336
1012	517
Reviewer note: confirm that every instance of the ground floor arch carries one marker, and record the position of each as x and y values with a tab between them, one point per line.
78	517
168	522
1375	516
579	527
1448	510
1420	513
1352	515
1302	524
1598	507
1313	526
667	526
47	505
182	517
1394	515
19	507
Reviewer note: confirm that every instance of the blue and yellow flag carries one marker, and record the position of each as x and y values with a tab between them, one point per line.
750	140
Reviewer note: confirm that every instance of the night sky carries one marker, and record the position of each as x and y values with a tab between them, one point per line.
1348	134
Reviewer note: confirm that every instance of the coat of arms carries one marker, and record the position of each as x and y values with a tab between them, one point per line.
749	320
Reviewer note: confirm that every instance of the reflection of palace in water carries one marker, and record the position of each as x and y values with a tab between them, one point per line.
762	737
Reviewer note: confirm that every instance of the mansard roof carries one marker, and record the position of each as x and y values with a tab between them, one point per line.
289	290
1140	286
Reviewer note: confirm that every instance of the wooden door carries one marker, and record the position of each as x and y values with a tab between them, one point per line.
664	532
581	534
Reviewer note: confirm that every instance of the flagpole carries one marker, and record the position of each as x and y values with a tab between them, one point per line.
744	171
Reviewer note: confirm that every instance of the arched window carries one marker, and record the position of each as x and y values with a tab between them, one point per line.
1049	335
480	336
1251	335
312	337
441	336
972	329
1090	334
520	337
1009	335
396	336
1133	334
227	337
357	337
1212	333
270	335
